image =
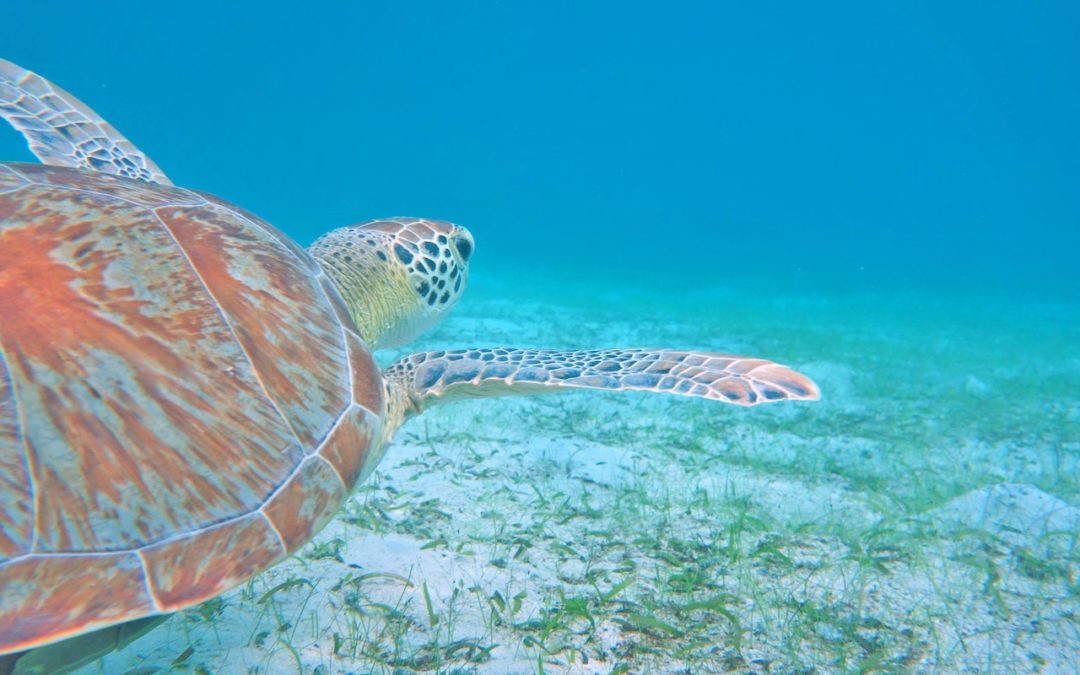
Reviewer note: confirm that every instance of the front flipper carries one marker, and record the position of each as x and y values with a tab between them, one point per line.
62	131
423	378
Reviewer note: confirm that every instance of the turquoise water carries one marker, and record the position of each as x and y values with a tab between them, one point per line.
884	197
912	144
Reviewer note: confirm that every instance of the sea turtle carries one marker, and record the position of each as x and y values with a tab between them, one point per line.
187	396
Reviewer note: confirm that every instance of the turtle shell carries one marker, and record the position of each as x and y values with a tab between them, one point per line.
183	400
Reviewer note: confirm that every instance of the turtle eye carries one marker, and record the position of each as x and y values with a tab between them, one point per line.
464	248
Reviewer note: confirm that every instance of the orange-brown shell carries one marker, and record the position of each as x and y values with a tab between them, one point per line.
183	400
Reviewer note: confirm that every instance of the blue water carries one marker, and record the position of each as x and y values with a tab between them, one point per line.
883	195
845	145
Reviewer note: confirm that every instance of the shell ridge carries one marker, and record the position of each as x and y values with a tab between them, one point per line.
345	332
352	385
267	229
13	190
334	427
165	540
201	200
311	459
105	195
274	528
34	520
333	468
31	478
146	580
286	248
174	537
232	330
20	174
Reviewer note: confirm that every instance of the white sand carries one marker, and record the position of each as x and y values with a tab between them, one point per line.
832	538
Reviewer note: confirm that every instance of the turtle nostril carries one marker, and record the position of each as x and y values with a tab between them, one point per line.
464	248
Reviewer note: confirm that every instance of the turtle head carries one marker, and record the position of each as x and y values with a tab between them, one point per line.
398	276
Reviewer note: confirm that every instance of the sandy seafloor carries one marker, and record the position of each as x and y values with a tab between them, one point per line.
922	517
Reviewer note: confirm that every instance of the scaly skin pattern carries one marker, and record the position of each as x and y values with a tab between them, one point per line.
423	378
64	132
399	276
161	438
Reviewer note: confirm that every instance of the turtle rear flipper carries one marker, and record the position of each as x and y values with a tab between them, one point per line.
420	379
62	131
66	656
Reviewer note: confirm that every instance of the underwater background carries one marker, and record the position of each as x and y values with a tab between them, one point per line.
882	195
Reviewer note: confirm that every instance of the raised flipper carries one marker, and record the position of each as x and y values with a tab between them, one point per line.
421	379
62	131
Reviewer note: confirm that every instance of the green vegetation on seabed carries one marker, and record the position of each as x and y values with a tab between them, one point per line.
923	517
